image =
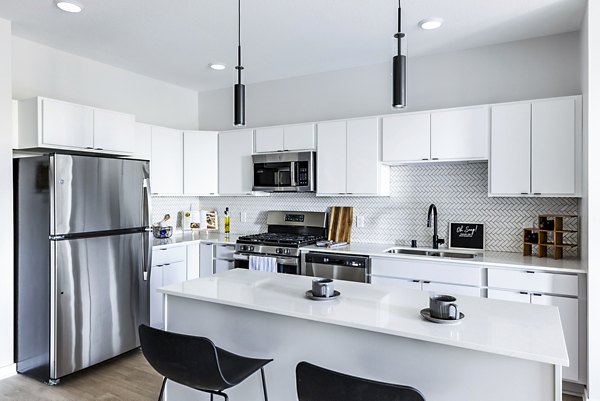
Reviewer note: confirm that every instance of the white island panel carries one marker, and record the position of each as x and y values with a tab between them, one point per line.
500	351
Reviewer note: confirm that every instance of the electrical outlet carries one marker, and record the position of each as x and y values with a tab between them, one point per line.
243	217
360	221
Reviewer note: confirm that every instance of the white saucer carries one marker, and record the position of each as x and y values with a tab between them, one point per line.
426	313
309	295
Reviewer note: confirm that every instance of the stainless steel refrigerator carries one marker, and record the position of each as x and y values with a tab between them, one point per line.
83	257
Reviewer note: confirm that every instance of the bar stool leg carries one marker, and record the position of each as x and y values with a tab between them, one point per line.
162	389
211	397
264	383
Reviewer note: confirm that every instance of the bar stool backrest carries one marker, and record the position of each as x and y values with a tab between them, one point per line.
188	360
314	383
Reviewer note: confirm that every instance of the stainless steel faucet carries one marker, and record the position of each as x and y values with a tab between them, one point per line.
436	241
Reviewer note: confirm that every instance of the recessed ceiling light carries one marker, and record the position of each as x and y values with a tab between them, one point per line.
217	66
431	23
69	6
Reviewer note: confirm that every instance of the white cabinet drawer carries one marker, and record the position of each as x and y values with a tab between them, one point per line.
451	289
160	256
550	283
515	296
396	282
224	252
428	271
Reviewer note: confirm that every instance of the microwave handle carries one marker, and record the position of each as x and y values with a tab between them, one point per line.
293	180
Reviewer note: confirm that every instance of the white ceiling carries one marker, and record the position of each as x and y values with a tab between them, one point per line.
175	40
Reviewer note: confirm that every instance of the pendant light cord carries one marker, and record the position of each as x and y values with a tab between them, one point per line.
239	67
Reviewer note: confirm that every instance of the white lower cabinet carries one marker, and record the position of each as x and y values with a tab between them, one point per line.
569	317
170	265
451	289
438	277
543	288
206	259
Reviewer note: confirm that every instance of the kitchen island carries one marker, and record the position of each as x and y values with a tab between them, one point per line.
500	351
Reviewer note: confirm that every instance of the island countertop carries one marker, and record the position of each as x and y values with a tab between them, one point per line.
525	331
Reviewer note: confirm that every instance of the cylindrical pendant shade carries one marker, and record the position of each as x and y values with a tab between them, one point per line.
399	82
239	105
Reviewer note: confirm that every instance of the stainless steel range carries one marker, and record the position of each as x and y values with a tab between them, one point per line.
287	232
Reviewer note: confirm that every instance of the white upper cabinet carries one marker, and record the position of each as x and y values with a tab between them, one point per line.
167	161
54	124
331	158
362	156
200	163
536	148
510	147
406	138
447	135
289	137
143	142
114	131
268	139
299	137
460	134
553	144
235	162
348	159
67	124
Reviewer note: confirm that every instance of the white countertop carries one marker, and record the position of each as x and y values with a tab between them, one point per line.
496	259
190	237
525	331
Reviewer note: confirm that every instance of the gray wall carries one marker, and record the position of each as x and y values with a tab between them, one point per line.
40	70
534	68
460	191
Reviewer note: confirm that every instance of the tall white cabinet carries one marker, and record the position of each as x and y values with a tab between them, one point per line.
536	148
200	163
167	161
235	162
348	159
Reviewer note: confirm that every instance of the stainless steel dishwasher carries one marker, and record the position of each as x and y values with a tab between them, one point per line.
336	266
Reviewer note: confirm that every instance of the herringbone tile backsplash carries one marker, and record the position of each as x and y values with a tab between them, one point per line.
458	190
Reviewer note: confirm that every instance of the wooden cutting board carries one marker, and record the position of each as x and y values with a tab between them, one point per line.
340	223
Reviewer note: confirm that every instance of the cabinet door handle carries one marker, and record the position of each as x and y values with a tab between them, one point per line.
537	295
416	281
537	193
523	292
435	158
424	158
99	148
426	282
529	272
524	193
89	147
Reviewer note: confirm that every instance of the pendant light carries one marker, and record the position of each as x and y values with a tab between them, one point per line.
239	92
399	67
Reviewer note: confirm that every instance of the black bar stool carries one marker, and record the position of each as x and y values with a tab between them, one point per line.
314	383
196	362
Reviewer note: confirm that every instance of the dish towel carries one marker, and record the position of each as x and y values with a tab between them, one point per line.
262	263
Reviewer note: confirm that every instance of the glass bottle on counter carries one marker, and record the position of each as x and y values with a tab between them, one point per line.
227	221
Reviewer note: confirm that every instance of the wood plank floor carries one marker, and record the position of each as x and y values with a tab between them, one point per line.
128	377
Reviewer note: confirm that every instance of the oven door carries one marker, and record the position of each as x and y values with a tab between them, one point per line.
285	264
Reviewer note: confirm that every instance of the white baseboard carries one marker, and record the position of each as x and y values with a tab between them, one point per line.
7	371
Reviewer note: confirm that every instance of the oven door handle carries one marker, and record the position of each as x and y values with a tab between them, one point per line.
281	261
293	180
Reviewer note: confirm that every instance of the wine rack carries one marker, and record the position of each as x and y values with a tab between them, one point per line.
555	233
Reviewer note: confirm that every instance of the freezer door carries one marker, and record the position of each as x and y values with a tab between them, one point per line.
97	194
99	300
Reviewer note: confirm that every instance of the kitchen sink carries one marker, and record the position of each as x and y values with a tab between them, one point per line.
439	254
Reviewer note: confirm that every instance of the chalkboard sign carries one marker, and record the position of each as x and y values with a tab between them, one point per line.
467	236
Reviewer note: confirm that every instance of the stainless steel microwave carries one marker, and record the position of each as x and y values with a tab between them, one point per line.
284	172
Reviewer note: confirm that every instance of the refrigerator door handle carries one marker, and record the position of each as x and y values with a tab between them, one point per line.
147	207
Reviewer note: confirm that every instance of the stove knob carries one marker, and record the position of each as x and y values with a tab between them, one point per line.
287	251
242	247
251	248
278	250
